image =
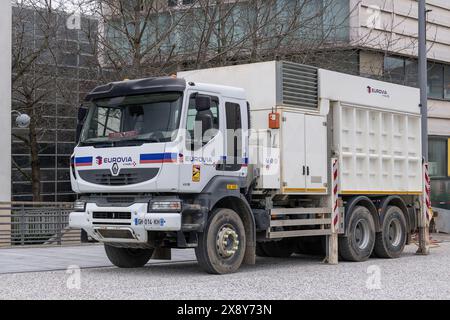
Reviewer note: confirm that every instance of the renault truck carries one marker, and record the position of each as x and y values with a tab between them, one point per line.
267	159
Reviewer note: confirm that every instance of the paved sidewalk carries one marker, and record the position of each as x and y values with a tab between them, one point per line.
298	277
22	260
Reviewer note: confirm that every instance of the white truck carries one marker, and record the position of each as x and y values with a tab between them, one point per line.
265	159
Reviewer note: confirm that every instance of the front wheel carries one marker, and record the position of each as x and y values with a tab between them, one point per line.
221	247
128	257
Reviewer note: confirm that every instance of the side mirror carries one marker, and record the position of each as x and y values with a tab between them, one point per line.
202	103
82	114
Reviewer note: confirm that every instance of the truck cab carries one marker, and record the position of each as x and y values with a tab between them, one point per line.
154	157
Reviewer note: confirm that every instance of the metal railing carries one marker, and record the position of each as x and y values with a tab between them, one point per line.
33	224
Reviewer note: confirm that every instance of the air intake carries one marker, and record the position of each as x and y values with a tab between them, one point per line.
299	85
126	176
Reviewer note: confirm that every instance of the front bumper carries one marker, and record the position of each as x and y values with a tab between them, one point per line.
132	224
123	224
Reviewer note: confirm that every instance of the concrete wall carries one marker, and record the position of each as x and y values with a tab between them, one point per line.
391	25
5	109
439	117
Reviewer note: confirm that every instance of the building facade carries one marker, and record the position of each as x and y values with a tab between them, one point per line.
5	102
5	116
386	34
53	69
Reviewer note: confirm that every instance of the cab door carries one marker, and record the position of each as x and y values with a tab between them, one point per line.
203	149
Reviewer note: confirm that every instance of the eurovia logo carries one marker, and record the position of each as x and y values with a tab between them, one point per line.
381	92
99	160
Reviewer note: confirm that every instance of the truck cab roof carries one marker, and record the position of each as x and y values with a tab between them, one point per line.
160	84
139	86
224	91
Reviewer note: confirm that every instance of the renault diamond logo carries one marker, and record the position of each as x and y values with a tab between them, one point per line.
115	170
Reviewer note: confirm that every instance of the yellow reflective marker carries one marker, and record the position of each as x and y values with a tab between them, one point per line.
232	187
448	157
196	173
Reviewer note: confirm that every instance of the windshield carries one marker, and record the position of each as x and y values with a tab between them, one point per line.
148	118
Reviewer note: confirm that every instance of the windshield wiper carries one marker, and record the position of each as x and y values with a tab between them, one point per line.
136	142
121	143
98	144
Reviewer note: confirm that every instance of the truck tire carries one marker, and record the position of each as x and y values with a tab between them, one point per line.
221	247
279	249
127	257
391	241
358	245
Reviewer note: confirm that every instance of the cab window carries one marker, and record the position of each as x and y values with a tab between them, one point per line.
194	119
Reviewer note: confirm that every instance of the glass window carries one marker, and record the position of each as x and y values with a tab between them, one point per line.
412	73
438	157
234	137
435	81
447	82
196	118
440	193
150	118
233	111
193	113
394	69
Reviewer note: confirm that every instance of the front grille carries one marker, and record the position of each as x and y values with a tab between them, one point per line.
107	223
120	200
125	177
115	234
112	215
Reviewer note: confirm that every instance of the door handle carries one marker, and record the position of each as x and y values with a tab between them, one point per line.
307	171
304	170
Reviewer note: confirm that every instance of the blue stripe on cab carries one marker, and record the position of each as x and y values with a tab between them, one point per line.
158	157
83	160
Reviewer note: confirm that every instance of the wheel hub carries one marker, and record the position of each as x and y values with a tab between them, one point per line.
361	234
227	242
394	233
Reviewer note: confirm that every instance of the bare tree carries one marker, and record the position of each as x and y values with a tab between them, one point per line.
39	47
30	80
142	38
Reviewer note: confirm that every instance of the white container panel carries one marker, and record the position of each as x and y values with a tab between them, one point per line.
379	150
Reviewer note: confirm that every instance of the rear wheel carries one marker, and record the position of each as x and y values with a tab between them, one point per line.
127	257
221	247
391	241
359	243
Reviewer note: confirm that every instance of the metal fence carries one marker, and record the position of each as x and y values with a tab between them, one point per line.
31	224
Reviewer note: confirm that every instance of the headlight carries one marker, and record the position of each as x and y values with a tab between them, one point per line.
165	206
79	206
